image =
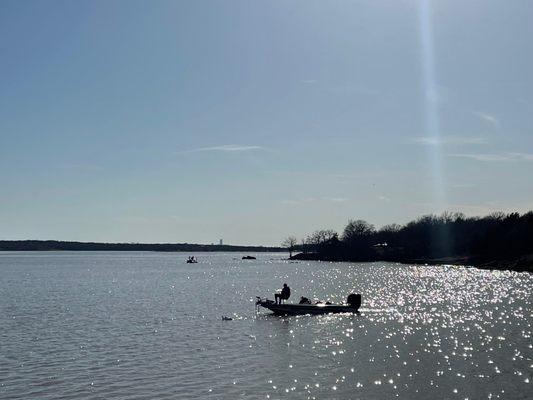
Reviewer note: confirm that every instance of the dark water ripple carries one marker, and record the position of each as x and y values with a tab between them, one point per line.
147	325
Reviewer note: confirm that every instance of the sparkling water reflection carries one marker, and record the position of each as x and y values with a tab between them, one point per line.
147	325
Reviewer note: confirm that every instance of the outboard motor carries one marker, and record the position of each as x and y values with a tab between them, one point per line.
354	300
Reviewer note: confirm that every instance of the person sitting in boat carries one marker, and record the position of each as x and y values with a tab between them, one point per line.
284	295
304	300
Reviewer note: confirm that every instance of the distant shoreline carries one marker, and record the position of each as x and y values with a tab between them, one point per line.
57	245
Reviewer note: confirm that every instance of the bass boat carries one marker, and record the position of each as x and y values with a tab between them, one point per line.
353	302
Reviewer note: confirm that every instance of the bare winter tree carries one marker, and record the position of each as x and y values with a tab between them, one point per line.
290	242
319	238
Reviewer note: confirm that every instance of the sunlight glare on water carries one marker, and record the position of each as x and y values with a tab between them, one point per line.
147	325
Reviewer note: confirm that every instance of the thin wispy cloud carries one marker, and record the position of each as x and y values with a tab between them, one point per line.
384	198
448	140
309	81
497	157
307	200
297	202
149	219
482	157
226	148
487	118
349	88
336	199
463	186
523	156
290	202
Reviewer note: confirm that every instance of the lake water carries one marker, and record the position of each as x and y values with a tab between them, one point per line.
110	325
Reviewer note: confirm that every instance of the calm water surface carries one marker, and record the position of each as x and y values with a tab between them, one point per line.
148	325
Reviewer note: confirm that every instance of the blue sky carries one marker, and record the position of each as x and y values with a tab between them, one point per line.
190	121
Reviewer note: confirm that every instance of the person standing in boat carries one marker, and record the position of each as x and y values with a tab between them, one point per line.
284	295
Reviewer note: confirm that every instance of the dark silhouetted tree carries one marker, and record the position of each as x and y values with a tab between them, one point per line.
290	243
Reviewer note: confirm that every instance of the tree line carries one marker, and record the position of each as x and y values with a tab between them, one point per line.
497	236
50	245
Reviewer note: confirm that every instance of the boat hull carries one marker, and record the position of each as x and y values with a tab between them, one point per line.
304	309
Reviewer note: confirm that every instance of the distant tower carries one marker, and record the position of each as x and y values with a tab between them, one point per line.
221	242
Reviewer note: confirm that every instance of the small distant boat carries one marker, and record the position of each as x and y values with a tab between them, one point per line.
249	258
352	306
192	260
